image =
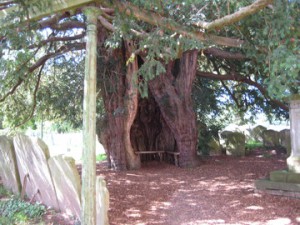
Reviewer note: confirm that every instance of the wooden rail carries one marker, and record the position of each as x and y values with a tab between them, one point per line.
161	154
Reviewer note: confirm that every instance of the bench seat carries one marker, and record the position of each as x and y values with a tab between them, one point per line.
161	153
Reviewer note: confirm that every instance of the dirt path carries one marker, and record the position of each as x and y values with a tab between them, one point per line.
221	191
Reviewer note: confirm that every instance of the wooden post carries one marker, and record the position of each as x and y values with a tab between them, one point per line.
88	194
293	161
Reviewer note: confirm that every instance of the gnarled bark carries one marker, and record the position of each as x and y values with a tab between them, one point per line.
150	131
131	106
165	121
120	96
172	92
111	73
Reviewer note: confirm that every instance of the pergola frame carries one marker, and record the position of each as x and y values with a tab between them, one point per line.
88	194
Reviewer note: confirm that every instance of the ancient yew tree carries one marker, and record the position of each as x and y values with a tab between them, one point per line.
151	54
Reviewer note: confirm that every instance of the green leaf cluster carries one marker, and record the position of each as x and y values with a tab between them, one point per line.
15	210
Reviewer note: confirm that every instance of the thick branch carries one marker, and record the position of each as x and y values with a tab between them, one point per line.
231	94
235	17
6	4
165	23
61	50
52	20
34	97
240	78
105	23
63	26
218	53
57	39
42	61
20	79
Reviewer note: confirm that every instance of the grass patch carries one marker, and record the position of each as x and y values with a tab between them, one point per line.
101	157
16	211
251	145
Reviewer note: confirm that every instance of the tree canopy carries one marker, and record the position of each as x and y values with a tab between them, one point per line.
248	53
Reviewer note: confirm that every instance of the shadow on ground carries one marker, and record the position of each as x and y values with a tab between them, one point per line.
220	191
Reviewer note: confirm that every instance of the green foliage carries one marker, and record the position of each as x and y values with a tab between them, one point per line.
16	211
101	157
274	47
285	72
205	136
252	145
4	192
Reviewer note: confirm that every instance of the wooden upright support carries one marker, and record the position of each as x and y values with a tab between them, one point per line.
88	195
294	160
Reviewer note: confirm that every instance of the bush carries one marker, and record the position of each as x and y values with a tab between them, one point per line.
14	211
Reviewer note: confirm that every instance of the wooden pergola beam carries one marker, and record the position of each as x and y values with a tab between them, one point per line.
56	6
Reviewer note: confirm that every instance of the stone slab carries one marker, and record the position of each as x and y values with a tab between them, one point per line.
285	140
32	157
8	167
281	193
235	144
271	138
66	180
293	163
257	133
279	186
285	176
102	199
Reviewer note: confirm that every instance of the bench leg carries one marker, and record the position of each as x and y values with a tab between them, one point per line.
176	160
160	156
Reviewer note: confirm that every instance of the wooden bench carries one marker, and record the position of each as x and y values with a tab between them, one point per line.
176	156
159	153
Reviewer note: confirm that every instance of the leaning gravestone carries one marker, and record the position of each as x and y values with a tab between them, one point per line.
32	156
67	184
8	166
235	144
102	199
271	138
257	133
223	137
285	140
215	147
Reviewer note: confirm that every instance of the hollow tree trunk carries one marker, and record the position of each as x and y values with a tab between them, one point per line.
120	96
149	131
172	92
111	131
